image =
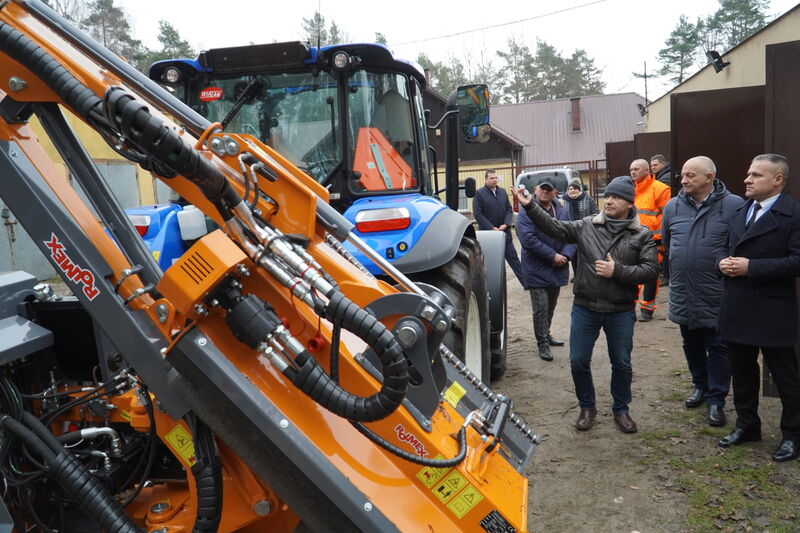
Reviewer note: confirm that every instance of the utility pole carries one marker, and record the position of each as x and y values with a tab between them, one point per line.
643	75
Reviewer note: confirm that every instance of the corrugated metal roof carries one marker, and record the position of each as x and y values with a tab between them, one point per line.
545	126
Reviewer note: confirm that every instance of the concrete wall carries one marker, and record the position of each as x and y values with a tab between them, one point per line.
747	68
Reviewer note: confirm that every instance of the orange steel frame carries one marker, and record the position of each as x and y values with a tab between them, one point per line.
411	496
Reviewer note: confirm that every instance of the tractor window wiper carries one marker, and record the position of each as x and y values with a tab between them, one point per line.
248	94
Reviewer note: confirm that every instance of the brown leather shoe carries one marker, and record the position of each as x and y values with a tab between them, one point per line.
586	418
625	423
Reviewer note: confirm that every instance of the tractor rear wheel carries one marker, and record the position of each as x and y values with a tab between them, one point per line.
463	280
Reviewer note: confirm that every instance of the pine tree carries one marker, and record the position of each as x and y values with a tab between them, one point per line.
680	50
514	73
109	25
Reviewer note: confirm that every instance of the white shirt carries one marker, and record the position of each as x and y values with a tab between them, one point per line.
765	205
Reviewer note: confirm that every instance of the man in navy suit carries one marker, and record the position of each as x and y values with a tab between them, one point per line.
759	305
492	211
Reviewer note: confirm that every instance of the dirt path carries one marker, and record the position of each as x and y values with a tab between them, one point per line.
605	481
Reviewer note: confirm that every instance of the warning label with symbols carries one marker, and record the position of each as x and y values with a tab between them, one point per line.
451	484
181	442
466	500
429	476
454	393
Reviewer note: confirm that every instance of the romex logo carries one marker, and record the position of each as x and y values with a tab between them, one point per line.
405	436
210	94
77	274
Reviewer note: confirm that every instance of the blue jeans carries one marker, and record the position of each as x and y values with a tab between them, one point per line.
583	333
707	357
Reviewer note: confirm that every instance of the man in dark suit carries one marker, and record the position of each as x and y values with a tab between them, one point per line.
759	305
492	211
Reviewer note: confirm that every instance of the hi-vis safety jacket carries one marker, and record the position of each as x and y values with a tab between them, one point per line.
651	197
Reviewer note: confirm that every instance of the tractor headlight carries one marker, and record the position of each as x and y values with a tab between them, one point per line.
172	75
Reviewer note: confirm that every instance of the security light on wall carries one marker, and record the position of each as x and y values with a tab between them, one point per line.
716	61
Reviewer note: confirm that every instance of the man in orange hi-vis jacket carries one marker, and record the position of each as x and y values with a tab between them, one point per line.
651	197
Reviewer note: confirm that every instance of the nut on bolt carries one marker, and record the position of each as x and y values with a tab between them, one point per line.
428	312
441	325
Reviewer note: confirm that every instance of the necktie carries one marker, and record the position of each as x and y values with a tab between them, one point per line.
756	207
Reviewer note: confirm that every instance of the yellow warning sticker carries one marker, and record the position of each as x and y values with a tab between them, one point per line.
451	484
126	415
466	500
156	254
454	394
181	442
430	475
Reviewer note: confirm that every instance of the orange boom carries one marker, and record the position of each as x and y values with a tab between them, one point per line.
264	382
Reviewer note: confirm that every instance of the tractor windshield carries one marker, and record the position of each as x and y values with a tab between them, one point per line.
296	114
300	115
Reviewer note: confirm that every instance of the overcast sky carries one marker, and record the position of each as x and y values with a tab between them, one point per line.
621	35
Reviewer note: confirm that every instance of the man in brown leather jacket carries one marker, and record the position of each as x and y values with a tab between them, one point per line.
615	255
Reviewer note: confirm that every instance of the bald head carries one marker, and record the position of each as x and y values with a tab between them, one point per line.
697	177
640	169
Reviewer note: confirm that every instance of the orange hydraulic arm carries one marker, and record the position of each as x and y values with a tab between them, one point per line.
329	397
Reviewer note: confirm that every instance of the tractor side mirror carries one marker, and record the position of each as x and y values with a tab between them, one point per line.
469	187
473	109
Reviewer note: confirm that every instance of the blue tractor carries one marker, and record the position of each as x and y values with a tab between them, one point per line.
351	116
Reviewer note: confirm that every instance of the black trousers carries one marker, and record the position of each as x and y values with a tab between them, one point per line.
543	303
782	364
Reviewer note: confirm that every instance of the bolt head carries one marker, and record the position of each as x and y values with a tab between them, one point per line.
262	508
407	336
284	423
158	508
17	84
217	146
368	506
201	341
441	325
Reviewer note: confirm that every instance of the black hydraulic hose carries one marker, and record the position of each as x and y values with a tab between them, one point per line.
72	476
132	118
408	456
312	379
128	116
208	479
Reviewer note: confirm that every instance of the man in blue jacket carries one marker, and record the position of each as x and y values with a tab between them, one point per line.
694	230
545	266
759	305
492	211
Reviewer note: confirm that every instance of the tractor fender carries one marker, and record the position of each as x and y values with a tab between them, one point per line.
493	244
438	245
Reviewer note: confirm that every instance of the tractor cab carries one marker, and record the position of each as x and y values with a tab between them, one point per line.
350	116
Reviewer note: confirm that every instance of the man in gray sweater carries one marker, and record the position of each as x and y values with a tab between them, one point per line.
616	255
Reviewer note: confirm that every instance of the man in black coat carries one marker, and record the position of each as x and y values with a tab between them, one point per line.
759	305
492	211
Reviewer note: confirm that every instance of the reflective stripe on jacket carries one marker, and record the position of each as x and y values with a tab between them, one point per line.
651	197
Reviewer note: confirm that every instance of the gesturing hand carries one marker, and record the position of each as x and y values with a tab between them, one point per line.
522	195
604	269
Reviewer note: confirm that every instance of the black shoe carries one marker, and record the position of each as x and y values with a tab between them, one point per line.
544	353
586	418
738	436
645	316
716	416
625	423
696	398
553	342
788	450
